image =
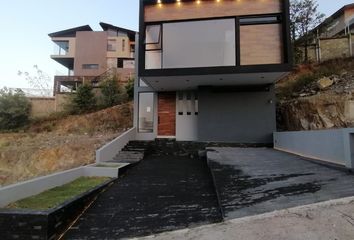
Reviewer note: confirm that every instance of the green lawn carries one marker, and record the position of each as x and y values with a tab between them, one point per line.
55	196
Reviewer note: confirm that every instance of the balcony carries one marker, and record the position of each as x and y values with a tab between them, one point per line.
69	84
64	51
61	48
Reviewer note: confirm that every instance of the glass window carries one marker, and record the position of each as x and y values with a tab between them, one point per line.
259	20
111	45
90	66
180	103
123	45
61	47
153	33
152	59
189	103
142	83
199	44
146	112
196	108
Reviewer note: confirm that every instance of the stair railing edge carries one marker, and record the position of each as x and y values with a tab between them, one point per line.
109	150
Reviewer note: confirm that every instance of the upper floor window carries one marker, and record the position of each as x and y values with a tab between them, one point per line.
260	20
61	47
153	34
189	44
111	45
90	66
123	45
153	47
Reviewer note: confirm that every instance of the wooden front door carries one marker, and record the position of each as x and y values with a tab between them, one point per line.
167	114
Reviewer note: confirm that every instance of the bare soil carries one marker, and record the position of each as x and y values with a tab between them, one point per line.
52	145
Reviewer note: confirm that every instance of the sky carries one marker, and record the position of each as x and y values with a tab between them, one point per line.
25	26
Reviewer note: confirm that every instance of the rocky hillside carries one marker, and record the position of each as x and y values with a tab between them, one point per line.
317	97
56	144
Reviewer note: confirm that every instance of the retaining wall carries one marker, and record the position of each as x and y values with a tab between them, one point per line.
335	146
111	149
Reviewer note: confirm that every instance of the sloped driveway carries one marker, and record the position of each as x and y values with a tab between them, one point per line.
251	181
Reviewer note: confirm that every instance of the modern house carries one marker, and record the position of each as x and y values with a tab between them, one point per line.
88	54
206	69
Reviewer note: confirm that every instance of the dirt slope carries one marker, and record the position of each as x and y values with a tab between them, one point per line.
53	145
317	97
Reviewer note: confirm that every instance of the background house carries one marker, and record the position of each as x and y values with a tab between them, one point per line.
89	54
334	38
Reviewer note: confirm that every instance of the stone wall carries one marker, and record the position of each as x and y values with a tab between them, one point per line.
329	48
335	48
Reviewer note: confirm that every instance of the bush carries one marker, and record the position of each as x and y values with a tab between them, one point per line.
82	101
129	88
14	109
111	93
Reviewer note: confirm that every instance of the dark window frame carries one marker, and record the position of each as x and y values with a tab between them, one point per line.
238	23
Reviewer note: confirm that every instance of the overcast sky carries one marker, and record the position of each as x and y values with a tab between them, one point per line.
25	25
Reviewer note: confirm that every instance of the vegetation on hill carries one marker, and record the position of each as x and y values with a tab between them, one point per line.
306	74
59	142
14	109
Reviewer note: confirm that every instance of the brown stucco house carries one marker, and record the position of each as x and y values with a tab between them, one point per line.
89	54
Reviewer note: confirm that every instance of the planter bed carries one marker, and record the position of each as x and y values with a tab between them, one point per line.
45	223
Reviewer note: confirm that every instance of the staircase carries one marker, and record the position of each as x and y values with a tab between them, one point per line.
133	152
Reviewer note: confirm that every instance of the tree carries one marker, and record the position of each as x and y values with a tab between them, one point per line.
111	92
39	81
304	17
82	101
14	109
129	88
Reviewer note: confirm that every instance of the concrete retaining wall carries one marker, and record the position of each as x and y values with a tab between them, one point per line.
111	149
334	146
35	186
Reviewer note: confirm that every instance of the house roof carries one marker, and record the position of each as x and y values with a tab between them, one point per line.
70	32
342	10
334	16
106	26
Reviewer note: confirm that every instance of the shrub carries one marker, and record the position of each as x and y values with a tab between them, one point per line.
83	101
111	92
14	109
129	88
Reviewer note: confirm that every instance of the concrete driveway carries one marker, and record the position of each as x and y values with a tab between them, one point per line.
252	181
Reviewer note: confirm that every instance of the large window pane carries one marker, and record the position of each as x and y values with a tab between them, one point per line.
153	59
146	112
199	44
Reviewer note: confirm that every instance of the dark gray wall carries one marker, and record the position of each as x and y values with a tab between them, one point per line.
234	116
